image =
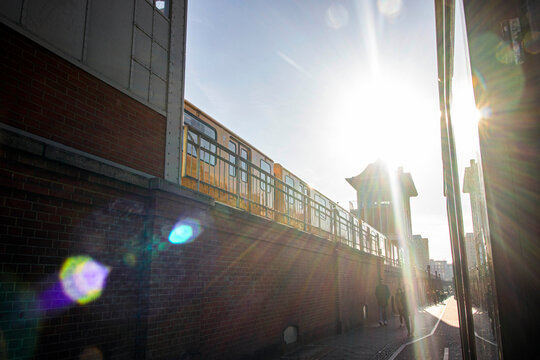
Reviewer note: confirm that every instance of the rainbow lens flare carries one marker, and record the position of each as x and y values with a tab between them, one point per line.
184	231
83	278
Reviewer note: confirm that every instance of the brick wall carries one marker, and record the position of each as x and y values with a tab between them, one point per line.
228	294
45	95
238	285
49	212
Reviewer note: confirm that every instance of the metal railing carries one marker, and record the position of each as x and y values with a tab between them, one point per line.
213	169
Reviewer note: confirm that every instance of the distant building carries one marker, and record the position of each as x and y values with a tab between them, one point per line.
419	248
471	249
383	200
472	185
449	272
442	268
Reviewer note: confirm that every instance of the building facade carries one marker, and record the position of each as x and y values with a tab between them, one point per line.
383	200
441	268
420	252
101	70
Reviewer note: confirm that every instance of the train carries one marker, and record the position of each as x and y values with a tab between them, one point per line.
219	163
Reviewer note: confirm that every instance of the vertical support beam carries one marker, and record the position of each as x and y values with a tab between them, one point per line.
175	91
509	145
445	24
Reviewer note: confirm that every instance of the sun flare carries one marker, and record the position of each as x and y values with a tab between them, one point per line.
385	118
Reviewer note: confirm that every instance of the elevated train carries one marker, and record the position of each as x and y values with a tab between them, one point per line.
219	163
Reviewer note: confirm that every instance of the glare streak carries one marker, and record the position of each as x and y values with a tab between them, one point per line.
293	63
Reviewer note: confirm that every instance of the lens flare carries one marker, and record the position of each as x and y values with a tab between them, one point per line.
531	42
390	8
130	259
83	279
184	231
91	353
337	16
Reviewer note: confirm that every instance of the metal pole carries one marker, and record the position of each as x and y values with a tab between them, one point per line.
445	20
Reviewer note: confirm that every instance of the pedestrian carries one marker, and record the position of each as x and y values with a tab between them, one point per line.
400	305
404	311
382	293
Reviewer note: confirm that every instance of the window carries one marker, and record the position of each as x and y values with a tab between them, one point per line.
265	178
232	158
195	123
343	220
290	181
303	190
321	208
243	165
162	6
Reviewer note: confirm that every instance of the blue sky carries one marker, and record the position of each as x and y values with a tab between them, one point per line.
327	87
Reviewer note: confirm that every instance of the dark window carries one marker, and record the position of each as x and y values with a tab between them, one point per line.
243	165
232	158
207	148
265	179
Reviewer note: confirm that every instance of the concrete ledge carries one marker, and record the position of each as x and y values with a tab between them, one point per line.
176	189
21	142
52	150
82	162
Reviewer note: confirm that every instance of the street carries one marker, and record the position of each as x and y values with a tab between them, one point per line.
434	339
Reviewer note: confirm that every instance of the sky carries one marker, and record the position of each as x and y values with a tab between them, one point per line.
327	87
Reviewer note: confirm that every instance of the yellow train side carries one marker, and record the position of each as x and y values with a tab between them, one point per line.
219	163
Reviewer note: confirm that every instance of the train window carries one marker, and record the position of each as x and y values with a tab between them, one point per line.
321	206
265	178
206	155
290	181
343	221
198	125
232	158
243	164
303	190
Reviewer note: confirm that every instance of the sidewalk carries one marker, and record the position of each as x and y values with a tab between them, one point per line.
371	342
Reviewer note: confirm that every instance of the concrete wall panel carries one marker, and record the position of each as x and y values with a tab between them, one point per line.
140	78
143	16
11	9
161	30
59	23
109	39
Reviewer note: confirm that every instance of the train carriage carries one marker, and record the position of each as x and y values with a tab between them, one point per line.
219	163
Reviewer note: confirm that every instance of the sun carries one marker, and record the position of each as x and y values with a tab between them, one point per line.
385	118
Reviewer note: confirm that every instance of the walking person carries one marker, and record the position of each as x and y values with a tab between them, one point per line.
405	311
400	305
382	293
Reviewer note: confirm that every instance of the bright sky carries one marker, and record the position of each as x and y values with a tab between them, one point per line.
327	87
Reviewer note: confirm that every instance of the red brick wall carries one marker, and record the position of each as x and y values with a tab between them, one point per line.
49	212
238	285
50	97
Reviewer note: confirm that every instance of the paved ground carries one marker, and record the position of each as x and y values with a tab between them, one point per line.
445	342
391	342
